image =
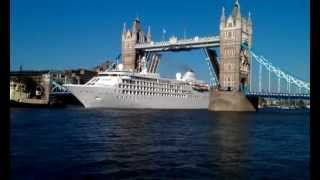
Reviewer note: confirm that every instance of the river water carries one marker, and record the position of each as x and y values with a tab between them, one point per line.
78	143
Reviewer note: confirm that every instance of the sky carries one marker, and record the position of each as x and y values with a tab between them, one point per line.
60	34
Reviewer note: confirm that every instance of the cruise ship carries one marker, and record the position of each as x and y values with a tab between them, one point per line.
142	90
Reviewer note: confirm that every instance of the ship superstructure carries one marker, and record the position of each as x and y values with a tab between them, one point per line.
124	89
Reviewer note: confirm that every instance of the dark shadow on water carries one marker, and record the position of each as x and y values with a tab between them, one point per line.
229	143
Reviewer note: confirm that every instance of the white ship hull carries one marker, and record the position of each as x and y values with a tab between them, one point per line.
109	97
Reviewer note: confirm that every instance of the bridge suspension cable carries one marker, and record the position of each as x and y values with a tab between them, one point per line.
269	85
280	74
260	77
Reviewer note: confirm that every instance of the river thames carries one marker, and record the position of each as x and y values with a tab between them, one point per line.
79	143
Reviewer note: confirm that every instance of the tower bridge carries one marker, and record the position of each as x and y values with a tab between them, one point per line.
231	74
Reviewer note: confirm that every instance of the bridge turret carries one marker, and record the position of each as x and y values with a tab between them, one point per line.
222	19
249	30
234	64
249	18
136	25
236	13
124	31
149	34
130	57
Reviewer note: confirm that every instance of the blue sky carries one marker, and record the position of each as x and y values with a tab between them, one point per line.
59	34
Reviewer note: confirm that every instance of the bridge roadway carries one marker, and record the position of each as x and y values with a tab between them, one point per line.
278	95
174	44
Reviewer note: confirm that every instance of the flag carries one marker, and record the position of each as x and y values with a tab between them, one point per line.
118	57
164	31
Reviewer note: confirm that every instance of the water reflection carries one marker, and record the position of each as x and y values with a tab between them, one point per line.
229	143
133	142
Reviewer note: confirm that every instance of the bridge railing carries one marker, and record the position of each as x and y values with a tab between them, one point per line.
277	94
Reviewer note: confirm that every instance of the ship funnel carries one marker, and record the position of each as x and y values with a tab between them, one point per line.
120	67
178	76
189	76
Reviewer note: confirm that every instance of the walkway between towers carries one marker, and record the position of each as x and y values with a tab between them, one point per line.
175	44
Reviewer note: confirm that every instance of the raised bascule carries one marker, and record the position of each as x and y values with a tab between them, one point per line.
230	74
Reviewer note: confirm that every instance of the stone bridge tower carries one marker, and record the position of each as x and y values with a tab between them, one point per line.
131	58
234	67
235	61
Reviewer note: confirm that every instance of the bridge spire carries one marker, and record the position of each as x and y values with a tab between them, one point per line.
124	31
149	34
237	2
236	11
149	30
249	18
223	16
136	25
